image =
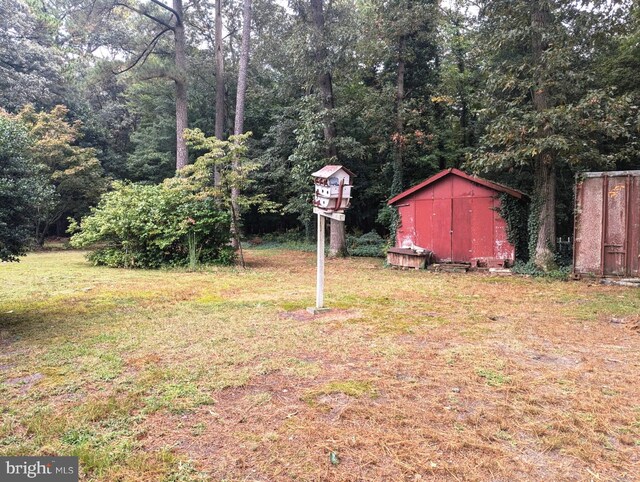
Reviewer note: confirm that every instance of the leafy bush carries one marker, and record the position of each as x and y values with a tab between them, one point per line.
561	273
369	245
142	226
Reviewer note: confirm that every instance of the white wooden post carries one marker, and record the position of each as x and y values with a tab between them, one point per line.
320	264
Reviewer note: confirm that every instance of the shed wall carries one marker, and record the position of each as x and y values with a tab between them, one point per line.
457	220
607	224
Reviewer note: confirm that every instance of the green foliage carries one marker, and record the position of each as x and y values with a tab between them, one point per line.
544	109
152	158
389	217
73	170
561	273
468	87
22	186
369	245
234	169
294	240
30	65
150	226
533	224
516	214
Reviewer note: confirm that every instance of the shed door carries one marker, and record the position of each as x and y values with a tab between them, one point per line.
441	229
461	229
615	232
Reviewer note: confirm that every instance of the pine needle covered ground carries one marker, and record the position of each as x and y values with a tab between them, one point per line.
222	375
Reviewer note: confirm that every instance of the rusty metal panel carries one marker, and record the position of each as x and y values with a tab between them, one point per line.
588	227
607	224
615	226
634	227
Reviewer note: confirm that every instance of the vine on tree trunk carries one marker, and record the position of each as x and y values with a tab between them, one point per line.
515	212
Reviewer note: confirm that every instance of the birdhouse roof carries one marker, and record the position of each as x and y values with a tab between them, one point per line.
328	171
478	180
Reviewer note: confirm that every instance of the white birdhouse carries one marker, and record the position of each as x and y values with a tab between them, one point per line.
332	188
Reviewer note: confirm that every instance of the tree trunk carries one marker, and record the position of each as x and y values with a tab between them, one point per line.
398	155
60	227
544	209
462	92
39	235
545	169
240	99
337	238
440	115
324	81
220	94
182	155
242	69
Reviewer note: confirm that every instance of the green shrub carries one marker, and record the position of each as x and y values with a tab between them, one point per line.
369	245
561	273
142	226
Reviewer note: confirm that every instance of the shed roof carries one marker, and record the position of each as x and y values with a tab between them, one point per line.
327	171
456	172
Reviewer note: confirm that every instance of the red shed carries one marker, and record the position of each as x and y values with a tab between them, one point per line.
455	216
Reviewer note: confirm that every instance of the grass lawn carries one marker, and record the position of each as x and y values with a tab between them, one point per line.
222	375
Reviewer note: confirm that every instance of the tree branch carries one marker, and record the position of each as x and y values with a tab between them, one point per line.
169	9
230	33
145	53
144	13
159	75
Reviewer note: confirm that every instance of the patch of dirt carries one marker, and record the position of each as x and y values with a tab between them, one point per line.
547	465
554	360
332	314
336	404
143	361
25	382
277	260
5	338
244	418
